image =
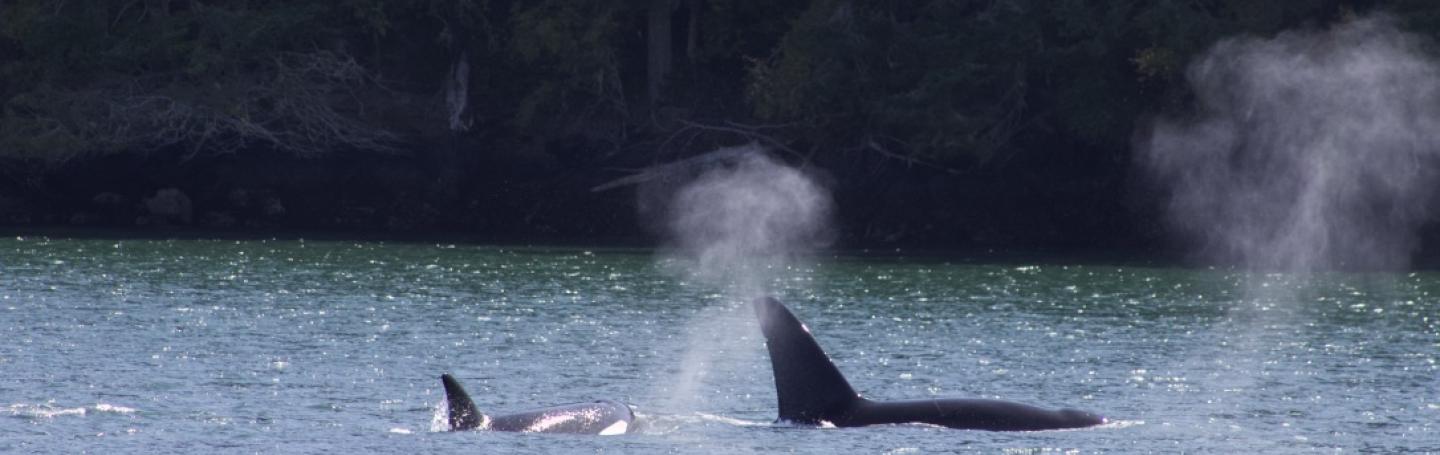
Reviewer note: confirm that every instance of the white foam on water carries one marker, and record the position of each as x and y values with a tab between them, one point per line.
43	411
1109	423
730	420
440	417
105	407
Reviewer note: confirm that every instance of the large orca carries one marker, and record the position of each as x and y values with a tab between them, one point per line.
603	417
812	391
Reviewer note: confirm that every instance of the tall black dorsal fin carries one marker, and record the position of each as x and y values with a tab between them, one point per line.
807	383
463	414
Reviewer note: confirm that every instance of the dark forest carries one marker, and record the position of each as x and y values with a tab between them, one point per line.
957	125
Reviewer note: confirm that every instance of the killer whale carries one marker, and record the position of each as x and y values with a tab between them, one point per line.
811	390
602	417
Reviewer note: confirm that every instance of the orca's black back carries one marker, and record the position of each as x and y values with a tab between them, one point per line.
808	385
970	414
811	390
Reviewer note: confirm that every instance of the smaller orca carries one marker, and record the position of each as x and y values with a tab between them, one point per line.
602	417
811	391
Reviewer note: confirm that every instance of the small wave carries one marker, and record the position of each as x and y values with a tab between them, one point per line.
669	423
1037	450
701	417
42	411
730	420
1122	424
398	430
103	407
50	410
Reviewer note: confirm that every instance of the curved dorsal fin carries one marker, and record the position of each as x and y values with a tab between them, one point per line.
808	385
463	414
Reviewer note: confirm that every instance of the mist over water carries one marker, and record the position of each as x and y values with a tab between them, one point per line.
737	227
1311	150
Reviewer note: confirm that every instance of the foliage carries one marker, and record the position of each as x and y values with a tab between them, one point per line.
954	81
571	48
108	77
966	80
892	74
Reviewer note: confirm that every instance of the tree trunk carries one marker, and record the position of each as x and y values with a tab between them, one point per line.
158	8
692	33
445	157
457	92
658	35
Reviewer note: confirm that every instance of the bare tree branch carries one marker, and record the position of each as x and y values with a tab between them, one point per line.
295	104
748	133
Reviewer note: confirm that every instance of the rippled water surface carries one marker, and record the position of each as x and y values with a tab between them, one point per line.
134	346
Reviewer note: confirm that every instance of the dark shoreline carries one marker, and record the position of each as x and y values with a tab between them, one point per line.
1124	258
1427	260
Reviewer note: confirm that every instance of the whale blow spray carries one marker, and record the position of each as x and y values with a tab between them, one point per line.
1311	150
737	227
739	223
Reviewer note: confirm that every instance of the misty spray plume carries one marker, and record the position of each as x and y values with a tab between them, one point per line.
739	224
1310	150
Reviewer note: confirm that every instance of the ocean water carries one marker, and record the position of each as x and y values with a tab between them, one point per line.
211	346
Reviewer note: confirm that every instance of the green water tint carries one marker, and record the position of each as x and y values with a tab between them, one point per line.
290	346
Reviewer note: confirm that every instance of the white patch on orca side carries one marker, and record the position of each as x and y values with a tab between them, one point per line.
541	425
619	427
